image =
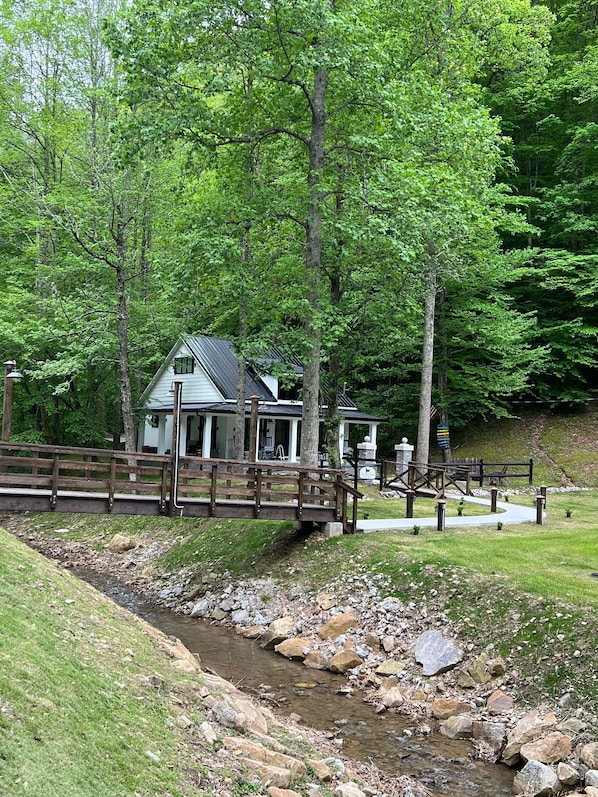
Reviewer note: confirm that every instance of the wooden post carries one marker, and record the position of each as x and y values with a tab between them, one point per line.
410	496
112	483
300	490
253	422
174	449
493	498
540	510
55	479
543	493
258	492
163	487
9	367
441	510
213	489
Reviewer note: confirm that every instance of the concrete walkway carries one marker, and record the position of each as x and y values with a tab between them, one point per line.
507	513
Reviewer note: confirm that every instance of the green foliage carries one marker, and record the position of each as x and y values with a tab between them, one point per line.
553	134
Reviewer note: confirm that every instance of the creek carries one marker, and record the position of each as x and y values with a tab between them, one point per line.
444	766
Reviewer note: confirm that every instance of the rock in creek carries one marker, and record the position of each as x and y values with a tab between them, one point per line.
277	632
550	749
589	755
529	727
536	780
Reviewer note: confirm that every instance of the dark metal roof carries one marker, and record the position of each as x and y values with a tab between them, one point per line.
219	359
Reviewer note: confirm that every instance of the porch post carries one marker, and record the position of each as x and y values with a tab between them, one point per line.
161	433
293	440
373	432
206	443
140	434
341	440
253	428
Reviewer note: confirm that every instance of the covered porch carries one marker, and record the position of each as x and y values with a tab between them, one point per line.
207	431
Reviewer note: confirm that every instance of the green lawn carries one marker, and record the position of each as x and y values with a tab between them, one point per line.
555	560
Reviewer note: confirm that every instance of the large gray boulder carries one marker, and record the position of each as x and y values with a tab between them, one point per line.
591	778
536	780
436	654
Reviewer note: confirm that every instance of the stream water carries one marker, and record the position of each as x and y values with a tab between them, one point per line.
443	765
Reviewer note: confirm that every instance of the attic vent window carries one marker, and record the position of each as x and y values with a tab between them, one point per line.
184	365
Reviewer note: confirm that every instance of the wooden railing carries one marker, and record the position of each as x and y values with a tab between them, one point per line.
140	482
433	480
496	472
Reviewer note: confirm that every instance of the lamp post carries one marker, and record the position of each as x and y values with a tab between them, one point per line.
176	390
10	374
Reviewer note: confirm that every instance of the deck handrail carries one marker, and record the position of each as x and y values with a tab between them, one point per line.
297	490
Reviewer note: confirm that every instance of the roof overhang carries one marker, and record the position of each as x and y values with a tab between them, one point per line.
264	411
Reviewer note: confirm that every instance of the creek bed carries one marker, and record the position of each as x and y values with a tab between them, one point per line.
444	766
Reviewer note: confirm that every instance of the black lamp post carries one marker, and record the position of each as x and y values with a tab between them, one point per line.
10	374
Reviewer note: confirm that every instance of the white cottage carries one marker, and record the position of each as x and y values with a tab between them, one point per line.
208	369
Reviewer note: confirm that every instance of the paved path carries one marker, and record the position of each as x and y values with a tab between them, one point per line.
507	513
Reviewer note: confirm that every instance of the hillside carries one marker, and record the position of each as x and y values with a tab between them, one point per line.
563	445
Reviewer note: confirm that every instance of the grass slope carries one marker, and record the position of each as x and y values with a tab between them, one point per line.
78	712
562	444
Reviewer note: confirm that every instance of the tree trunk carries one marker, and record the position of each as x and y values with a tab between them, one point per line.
123	363
443	369
310	419
239	428
332	419
425	396
123	329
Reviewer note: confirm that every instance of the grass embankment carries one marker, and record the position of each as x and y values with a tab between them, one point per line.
527	589
90	702
78	712
561	443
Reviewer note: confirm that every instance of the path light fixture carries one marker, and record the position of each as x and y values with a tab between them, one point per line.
10	374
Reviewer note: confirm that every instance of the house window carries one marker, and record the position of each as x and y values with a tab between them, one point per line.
184	365
290	392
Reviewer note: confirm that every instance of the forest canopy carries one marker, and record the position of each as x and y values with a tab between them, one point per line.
401	195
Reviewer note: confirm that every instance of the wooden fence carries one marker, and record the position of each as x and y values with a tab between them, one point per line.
43	478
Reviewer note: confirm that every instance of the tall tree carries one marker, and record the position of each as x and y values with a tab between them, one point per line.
92	223
330	93
552	126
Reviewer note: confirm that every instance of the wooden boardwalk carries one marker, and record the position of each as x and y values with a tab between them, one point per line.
101	481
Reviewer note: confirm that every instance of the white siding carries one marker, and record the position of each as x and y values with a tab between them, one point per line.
271	382
197	387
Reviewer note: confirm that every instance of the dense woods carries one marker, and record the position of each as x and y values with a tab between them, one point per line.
402	195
